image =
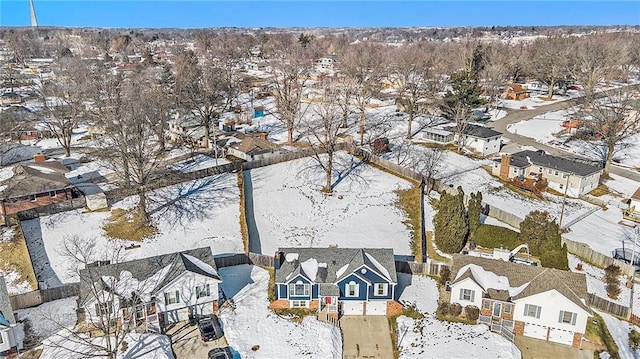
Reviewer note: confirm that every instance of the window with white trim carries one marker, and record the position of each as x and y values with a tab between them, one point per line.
298	289
104	308
467	294
52	194
32	197
203	291
567	317
172	297
507	308
1	339
352	289
381	289
486	304
531	310
299	304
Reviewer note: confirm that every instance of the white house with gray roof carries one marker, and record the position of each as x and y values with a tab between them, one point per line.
577	178
482	140
348	281
517	299
154	291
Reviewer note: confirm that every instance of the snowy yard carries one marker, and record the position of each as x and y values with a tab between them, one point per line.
291	211
595	283
431	338
49	318
619	330
252	323
190	215
140	346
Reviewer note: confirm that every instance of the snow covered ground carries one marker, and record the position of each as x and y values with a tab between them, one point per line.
534	101
542	128
252	323
190	215
431	338
595	284
49	318
140	346
198	162
619	330
290	210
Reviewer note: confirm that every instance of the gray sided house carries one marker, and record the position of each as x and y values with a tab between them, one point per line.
153	292
345	281
575	177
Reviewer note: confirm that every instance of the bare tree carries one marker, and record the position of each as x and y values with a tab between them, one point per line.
290	69
361	64
64	99
592	58
495	73
549	57
24	45
612	120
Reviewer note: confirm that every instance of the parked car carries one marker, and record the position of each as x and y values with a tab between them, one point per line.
220	353
210	328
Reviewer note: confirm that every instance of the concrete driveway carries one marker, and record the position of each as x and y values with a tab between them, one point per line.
536	348
366	337
186	342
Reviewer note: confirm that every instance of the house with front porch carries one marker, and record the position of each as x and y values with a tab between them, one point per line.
150	293
562	174
518	299
336	281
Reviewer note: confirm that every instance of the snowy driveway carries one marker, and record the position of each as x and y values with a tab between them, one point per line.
366	337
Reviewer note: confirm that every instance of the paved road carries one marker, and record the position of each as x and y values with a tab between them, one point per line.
366	337
522	115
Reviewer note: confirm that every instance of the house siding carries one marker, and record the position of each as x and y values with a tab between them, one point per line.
467	284
10	207
295	280
363	288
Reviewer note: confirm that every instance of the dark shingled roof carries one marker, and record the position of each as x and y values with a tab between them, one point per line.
335	258
540	279
144	268
480	131
539	158
36	177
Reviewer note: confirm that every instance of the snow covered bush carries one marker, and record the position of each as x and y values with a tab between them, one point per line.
612	279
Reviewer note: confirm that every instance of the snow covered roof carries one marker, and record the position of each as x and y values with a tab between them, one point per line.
329	265
146	276
510	281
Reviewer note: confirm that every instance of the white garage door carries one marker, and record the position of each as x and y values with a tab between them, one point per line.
377	308
535	331
561	336
352	308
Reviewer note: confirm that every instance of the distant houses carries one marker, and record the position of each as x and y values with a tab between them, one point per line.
562	174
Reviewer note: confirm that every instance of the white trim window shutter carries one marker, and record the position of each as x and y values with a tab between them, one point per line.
560	317
98	311
461	293
526	309
573	318
473	295
197	291
208	289
538	311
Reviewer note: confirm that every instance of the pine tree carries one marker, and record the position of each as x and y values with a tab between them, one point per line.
533	230
451	224
474	211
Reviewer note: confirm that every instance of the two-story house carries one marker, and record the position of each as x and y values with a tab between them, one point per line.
542	303
562	174
345	281
152	292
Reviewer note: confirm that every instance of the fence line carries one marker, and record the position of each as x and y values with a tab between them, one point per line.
601	260
415	268
244	258
38	297
608	306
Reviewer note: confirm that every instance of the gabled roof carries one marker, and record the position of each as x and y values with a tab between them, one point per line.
480	131
539	158
330	265
162	269
254	145
36	177
636	194
522	280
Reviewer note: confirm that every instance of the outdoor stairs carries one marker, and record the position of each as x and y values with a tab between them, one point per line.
326	318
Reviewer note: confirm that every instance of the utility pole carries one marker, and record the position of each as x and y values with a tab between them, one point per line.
564	201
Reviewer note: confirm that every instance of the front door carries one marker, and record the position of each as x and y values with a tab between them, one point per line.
497	309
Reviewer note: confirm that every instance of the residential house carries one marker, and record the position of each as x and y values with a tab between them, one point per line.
151	292
336	281
253	148
11	152
562	174
30	132
633	212
35	184
479	139
10	99
516	92
9	342
326	63
517	299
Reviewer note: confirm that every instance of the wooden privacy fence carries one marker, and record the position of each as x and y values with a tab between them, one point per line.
429	268
608	306
244	258
37	297
589	255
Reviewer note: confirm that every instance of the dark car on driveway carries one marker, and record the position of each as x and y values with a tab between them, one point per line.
210	328
220	353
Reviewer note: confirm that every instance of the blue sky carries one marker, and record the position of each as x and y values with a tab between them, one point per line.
309	13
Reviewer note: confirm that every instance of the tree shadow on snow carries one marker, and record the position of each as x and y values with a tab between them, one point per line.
147	345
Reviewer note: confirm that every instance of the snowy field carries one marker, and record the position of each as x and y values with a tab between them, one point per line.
596	285
140	346
431	338
542	128
620	330
291	211
252	323
49	318
190	215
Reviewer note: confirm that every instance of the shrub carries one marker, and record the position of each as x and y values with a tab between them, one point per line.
612	280
443	309
472	312
491	236
634	339
455	309
445	275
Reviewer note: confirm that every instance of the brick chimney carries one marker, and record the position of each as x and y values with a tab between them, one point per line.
37	158
504	166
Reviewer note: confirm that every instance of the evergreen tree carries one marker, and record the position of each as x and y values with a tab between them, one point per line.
474	211
451	224
533	230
